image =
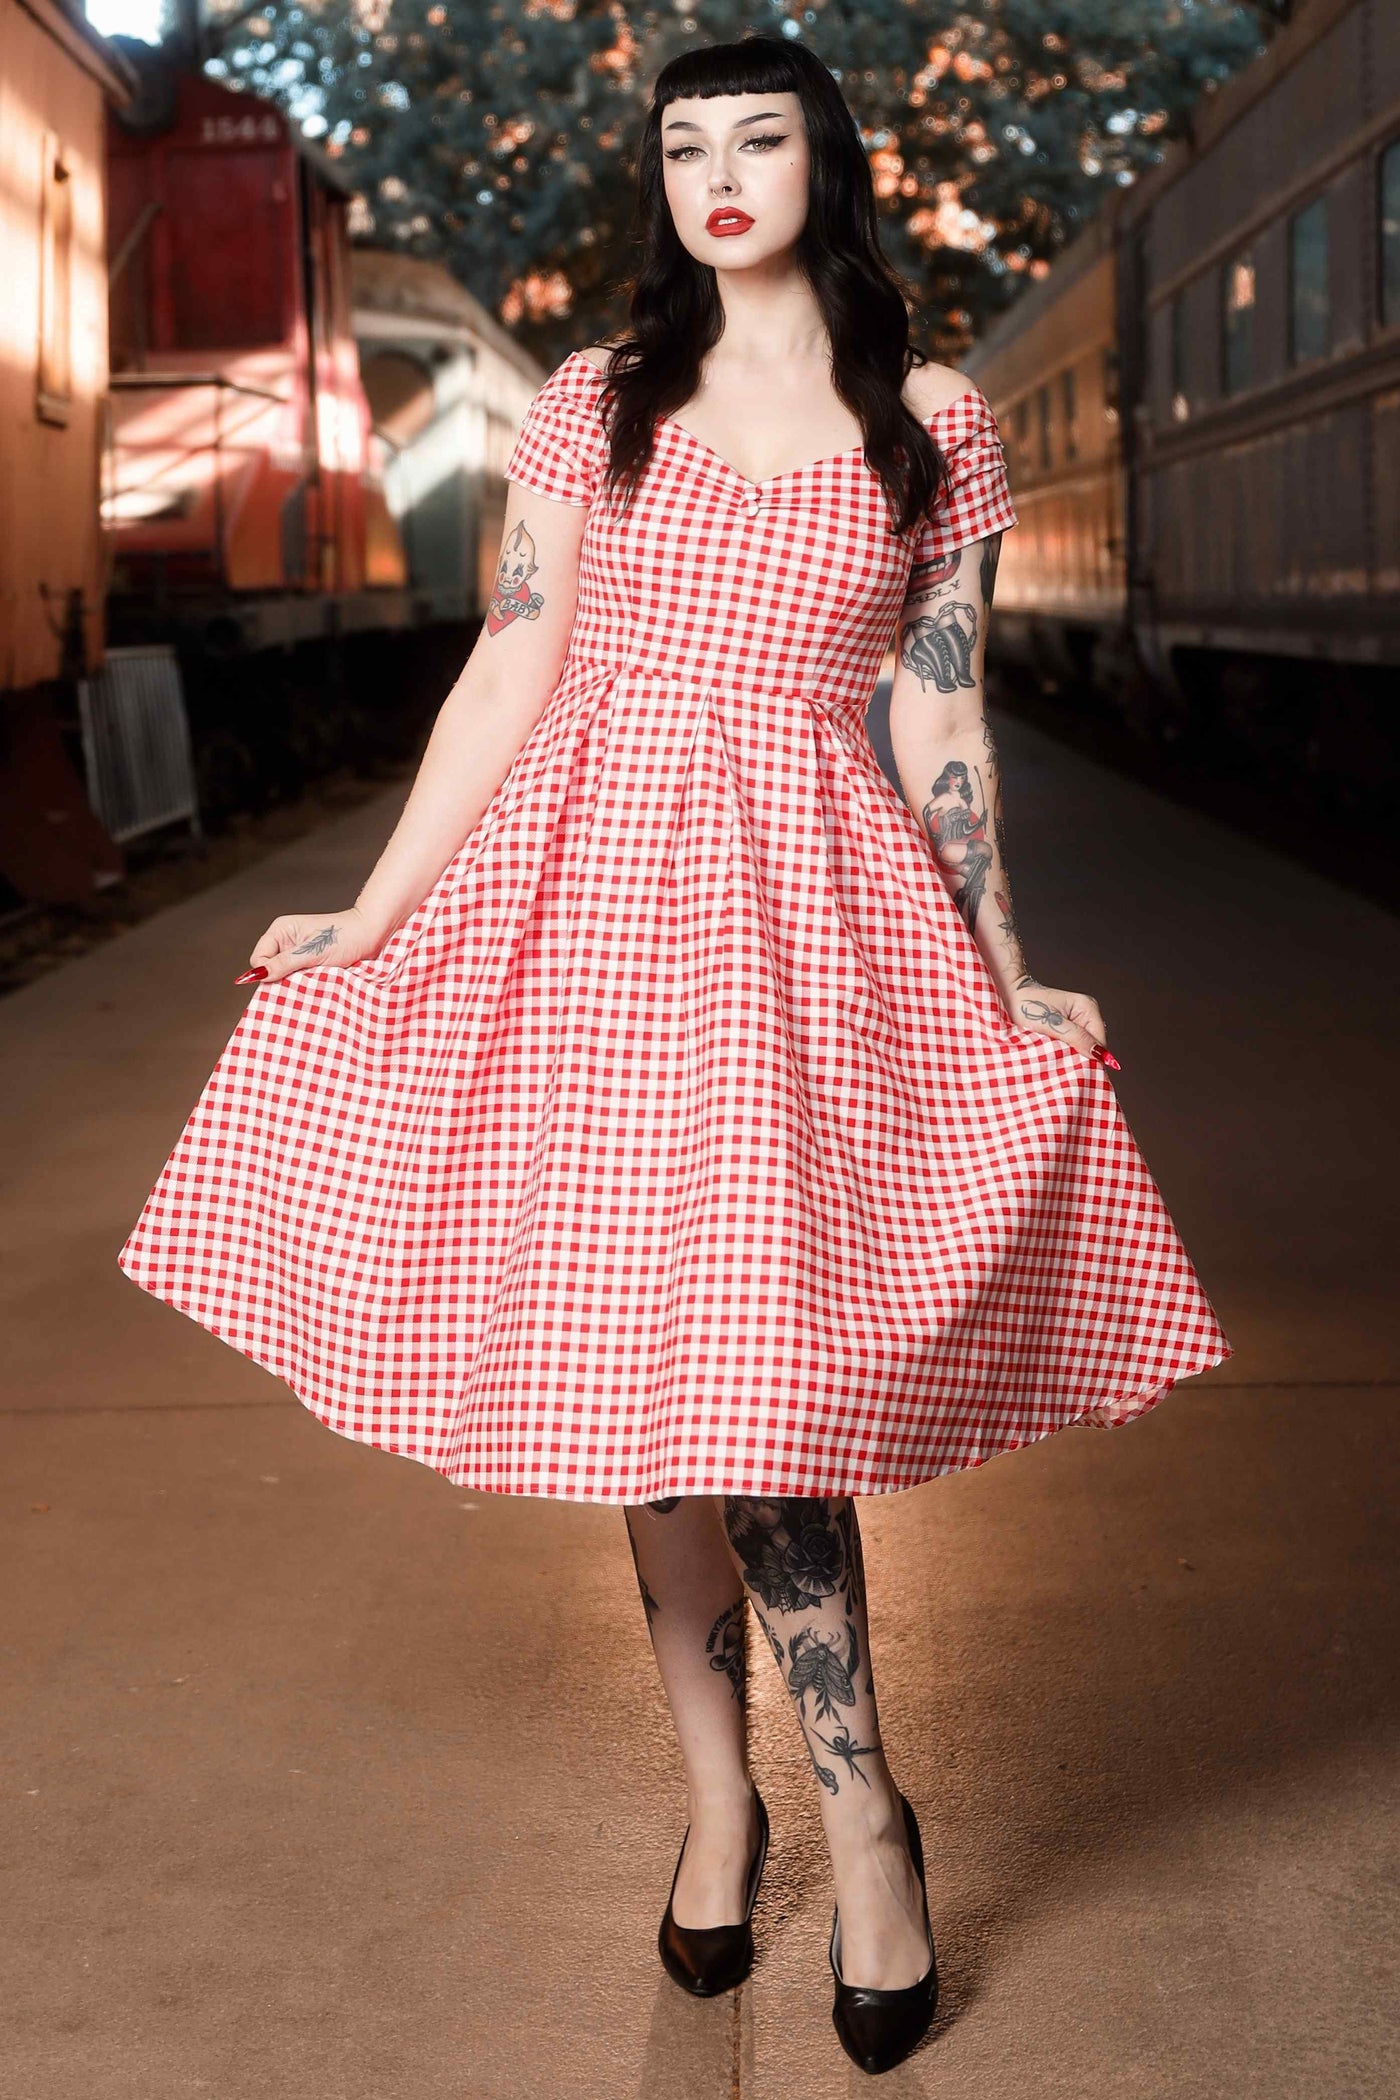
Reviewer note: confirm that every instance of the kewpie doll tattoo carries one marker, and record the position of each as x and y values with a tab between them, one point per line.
511	596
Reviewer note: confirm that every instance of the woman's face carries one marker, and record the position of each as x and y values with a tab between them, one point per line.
736	176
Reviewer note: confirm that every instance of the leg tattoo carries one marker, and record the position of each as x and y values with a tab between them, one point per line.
848	1751
649	1603
795	1554
800	1559
725	1648
695	1609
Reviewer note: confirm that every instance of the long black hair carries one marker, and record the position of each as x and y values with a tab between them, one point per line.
675	314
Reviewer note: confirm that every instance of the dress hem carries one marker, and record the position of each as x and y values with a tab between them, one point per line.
461	1479
1140	1401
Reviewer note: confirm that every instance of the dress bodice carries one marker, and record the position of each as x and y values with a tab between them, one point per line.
791	583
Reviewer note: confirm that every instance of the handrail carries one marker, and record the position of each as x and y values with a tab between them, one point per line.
180	381
145	219
176	379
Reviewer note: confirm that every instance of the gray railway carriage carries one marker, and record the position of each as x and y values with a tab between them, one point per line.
1201	407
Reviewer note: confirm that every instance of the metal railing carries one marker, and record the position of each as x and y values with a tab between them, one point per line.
192	448
136	743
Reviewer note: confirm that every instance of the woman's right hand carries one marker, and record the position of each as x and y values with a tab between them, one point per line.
311	941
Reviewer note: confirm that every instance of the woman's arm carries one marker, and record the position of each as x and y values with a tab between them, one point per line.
948	767
944	750
510	674
501	693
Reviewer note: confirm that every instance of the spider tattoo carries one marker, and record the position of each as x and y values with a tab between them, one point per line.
847	1750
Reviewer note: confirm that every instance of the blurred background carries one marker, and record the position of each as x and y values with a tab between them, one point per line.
281	280
319	1772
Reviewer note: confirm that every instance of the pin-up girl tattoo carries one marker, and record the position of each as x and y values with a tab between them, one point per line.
511	595
956	822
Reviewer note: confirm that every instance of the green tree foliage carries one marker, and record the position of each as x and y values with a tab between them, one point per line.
499	137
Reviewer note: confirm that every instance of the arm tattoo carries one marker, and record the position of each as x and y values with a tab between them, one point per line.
928	576
991	555
1007	909
511	595
955	818
961	822
937	642
939	646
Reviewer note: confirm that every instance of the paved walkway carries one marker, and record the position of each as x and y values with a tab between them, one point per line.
329	1781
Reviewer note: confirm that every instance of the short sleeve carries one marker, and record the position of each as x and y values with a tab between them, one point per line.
975	498
558	452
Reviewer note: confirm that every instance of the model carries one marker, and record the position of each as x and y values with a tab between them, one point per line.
674	1121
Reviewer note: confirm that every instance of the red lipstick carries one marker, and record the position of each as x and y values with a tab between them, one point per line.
727	218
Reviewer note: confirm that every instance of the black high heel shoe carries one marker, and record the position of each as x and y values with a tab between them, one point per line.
878	2028
706	1959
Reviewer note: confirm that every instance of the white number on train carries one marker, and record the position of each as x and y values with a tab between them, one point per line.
240	131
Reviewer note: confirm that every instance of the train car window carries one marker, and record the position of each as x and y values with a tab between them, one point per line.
1309	299
1110	383
1237	284
1176	354
1069	412
1390	235
1042	402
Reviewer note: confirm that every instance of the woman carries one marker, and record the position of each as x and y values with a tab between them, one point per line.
674	1121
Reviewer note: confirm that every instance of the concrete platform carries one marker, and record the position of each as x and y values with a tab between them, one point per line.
326	1780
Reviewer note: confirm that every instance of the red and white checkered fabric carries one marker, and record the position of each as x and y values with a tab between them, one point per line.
680	1142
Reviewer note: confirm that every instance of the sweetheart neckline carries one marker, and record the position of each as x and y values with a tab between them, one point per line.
828	459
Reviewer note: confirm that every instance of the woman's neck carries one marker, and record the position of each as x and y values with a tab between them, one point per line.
770	318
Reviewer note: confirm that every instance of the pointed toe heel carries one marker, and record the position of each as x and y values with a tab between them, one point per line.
877	2028
707	1959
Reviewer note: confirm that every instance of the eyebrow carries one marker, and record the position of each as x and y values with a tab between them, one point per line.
764	116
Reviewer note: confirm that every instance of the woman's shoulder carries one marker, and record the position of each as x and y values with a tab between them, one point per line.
930	388
597	355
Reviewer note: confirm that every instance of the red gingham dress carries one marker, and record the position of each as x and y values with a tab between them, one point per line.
679	1142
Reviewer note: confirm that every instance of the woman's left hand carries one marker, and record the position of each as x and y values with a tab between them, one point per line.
1073	1017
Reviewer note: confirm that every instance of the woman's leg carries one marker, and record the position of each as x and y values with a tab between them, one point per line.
695	1613
800	1560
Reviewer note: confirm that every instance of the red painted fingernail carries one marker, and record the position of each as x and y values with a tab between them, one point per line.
258	970
1105	1057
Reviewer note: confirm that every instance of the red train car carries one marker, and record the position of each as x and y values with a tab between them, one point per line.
241	484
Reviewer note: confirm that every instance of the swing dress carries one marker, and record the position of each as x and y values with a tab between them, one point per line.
679	1142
